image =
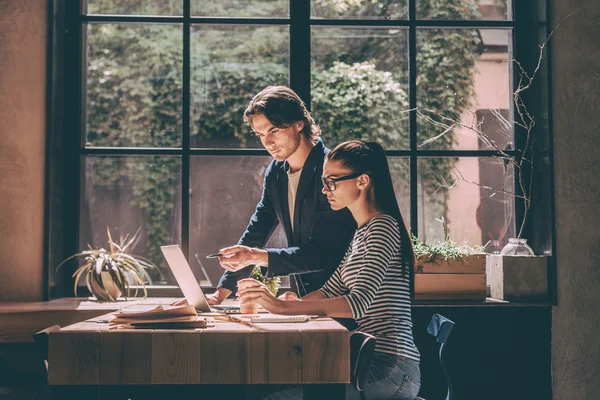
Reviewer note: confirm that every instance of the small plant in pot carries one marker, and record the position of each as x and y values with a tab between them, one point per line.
448	270
110	273
447	251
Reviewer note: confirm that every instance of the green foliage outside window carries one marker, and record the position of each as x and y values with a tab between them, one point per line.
134	93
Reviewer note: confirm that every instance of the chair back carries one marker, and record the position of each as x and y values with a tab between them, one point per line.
440	327
362	346
41	343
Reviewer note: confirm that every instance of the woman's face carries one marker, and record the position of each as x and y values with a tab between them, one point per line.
346	191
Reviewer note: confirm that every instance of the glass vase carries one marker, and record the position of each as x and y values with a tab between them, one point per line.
493	247
517	247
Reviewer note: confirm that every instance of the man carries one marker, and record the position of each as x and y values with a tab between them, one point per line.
317	236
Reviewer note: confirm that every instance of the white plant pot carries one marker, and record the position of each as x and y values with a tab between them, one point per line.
110	286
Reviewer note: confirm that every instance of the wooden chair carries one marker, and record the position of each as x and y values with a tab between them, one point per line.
362	346
440	328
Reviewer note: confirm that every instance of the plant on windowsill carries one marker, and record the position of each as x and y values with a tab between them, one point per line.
110	273
523	164
271	283
517	273
448	270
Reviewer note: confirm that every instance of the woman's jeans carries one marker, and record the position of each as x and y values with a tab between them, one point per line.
389	377
392	377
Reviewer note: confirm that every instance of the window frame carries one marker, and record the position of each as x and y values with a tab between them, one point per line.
66	126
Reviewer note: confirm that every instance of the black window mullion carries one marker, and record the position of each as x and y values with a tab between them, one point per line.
433	23
300	55
412	98
71	142
185	130
166	19
552	274
451	153
526	55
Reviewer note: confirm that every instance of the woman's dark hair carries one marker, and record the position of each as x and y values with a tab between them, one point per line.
369	158
282	107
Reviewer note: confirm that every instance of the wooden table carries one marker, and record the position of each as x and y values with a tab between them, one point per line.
315	354
20	320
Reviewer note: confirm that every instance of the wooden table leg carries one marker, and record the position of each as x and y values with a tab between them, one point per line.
329	392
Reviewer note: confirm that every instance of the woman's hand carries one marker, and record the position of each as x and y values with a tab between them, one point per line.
252	290
288	296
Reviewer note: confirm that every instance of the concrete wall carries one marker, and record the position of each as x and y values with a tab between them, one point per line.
22	143
576	85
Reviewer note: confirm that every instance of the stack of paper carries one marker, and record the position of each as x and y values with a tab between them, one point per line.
158	316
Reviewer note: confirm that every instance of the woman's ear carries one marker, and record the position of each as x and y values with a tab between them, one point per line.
364	181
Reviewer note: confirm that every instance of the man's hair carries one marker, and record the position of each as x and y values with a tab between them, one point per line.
282	107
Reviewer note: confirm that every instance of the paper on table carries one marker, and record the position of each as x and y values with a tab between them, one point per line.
159	311
155	313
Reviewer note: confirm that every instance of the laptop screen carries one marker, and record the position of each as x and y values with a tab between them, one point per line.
185	277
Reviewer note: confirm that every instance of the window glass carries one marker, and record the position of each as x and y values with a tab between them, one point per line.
229	65
359	84
134	85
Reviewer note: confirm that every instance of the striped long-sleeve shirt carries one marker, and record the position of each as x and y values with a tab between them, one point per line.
373	278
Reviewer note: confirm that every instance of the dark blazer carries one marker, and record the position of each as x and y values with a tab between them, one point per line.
321	235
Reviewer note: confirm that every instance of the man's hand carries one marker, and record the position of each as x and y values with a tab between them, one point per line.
235	258
180	302
218	296
288	296
213	298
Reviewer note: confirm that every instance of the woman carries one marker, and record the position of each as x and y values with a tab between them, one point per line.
372	282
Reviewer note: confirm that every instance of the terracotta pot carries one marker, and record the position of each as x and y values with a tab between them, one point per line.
110	286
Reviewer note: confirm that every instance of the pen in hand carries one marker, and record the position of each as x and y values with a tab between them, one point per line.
214	255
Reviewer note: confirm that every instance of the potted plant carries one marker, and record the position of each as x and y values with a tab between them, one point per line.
517	273
110	273
448	270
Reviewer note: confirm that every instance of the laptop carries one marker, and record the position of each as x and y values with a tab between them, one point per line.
187	281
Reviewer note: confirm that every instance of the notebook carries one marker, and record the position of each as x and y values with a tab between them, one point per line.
270	318
199	323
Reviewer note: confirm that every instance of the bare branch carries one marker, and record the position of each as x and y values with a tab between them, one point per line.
460	176
449	121
433	139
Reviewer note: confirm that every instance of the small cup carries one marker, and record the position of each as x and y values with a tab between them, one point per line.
250	307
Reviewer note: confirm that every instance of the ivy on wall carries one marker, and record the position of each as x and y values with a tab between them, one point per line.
134	93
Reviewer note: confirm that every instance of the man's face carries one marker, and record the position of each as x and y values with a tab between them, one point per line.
281	143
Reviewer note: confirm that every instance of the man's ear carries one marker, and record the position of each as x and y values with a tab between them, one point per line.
300	125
